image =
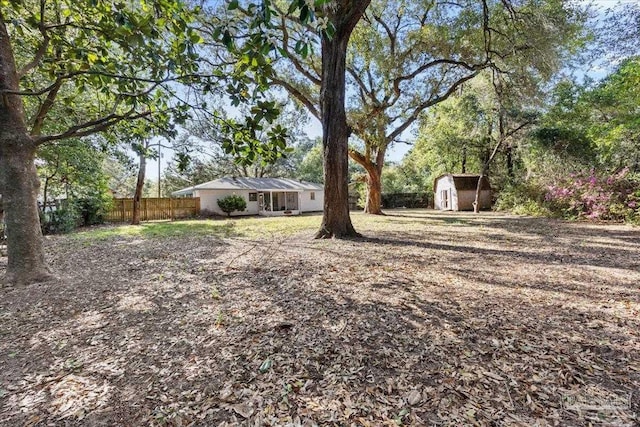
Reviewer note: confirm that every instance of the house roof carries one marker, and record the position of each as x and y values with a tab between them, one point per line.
466	181
257	184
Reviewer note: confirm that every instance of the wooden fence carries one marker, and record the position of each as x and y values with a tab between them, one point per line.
152	209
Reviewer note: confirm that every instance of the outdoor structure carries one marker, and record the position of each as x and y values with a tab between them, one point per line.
264	196
457	192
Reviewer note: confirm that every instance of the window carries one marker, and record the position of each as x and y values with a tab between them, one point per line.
253	197
444	195
312	195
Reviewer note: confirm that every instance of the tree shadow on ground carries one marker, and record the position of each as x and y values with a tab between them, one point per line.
379	330
586	255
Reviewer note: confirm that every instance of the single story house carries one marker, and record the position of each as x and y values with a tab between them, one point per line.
264	196
457	192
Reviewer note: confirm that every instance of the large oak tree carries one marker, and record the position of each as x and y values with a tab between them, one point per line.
327	26
405	57
89	65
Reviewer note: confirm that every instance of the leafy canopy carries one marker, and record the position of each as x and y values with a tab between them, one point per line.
87	65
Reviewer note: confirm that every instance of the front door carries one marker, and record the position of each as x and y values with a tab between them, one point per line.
260	202
444	197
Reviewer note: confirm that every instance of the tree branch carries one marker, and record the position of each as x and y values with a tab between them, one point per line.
44	109
363	87
431	101
359	158
390	34
355	10
425	67
156	82
92	127
43	47
293	91
293	58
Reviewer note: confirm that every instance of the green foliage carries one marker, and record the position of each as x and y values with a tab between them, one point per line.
232	203
416	172
195	172
241	140
596	124
201	158
71	168
396	180
66	215
63	219
460	134
453	52
615	123
406	200
99	63
523	199
451	136
93	207
310	166
72	171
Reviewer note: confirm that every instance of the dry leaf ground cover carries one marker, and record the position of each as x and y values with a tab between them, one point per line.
430	319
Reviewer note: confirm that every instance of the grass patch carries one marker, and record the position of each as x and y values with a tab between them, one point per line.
264	227
160	229
251	227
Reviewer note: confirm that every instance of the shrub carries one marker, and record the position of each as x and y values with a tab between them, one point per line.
597	197
63	219
523	199
232	203
93	208
69	214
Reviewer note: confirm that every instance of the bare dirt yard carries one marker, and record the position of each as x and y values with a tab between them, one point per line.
429	319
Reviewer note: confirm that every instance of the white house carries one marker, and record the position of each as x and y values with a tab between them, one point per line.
457	192
264	196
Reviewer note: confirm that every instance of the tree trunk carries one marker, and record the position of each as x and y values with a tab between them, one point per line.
45	195
18	178
336	221
489	156
373	203
509	155
137	197
476	202
464	159
374	192
26	260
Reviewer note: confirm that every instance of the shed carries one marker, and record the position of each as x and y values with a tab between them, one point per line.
264	196
457	192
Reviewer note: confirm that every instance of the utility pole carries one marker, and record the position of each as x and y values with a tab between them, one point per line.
159	158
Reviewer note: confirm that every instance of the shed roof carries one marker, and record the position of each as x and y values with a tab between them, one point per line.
466	181
257	184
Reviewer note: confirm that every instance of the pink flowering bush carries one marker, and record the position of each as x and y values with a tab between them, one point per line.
591	196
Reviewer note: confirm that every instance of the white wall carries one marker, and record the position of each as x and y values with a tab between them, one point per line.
308	205
209	201
445	183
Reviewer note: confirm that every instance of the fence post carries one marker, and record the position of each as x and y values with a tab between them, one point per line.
144	203
122	211
171	208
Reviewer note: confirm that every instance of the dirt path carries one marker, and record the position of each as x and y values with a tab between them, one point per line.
432	319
